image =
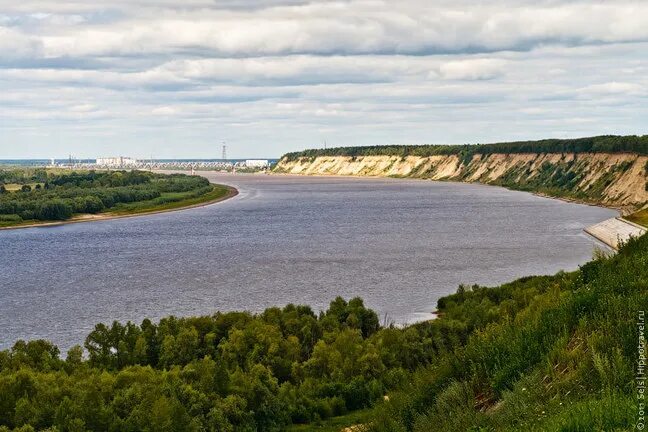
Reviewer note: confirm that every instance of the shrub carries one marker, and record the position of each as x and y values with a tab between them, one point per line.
54	210
88	204
10	218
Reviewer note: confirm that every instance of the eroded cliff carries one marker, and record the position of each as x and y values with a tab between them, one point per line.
612	179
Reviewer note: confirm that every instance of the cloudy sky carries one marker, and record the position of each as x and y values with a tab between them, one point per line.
175	78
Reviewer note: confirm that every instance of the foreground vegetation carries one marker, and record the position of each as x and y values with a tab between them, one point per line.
229	371
544	354
538	354
353	419
598	144
38	195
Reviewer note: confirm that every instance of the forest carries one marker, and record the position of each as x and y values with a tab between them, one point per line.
49	196
543	353
598	144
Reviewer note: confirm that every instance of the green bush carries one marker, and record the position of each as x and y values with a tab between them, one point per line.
53	210
10	218
88	204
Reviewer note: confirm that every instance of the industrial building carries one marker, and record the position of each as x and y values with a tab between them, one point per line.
116	162
257	163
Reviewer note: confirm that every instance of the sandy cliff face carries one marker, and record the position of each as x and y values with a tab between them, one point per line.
611	179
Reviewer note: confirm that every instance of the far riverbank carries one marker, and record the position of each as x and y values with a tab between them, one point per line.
611	232
220	193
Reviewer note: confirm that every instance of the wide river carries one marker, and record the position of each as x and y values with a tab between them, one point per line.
399	244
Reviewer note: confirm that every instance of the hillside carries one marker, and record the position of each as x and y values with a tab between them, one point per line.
592	170
558	353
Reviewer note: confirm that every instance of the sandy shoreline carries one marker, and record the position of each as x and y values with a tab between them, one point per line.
539	194
231	192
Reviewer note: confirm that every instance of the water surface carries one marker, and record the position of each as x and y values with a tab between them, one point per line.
399	244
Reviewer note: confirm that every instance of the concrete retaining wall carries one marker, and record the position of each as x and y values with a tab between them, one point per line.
613	232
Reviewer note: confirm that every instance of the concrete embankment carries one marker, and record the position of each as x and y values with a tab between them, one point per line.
614	232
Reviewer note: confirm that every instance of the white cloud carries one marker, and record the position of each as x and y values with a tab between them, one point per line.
83	108
17	45
164	111
615	88
473	69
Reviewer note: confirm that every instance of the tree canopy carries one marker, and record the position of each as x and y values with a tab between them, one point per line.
90	192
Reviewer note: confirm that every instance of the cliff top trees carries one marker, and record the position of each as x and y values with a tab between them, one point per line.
598	144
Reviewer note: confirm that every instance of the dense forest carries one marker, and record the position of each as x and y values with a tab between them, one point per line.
538	354
226	372
598	144
45	196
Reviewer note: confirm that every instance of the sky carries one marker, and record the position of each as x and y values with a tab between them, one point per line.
177	78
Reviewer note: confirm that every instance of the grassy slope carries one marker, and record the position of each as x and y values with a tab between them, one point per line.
168	201
13	187
640	217
565	361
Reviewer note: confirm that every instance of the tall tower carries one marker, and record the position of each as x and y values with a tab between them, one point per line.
224	156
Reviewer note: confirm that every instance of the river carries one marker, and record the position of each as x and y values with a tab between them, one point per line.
399	244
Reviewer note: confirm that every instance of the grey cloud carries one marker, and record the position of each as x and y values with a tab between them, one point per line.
329	28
